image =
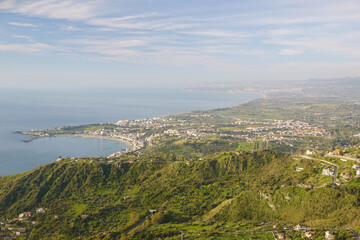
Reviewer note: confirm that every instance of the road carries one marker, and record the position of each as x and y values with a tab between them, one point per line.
140	222
330	163
343	157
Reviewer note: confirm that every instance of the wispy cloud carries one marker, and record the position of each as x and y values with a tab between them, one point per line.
132	22
55	9
110	43
253	36
23	24
218	33
69	28
29	39
290	52
335	44
26	48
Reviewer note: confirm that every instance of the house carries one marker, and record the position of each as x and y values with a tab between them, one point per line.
337	152
280	236
346	175
275	226
28	214
20	232
355	166
309	234
40	210
327	172
308	152
358	172
25	214
298	227
329	235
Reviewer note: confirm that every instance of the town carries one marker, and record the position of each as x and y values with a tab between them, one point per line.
147	132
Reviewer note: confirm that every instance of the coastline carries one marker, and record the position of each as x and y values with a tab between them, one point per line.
101	137
34	137
261	95
132	145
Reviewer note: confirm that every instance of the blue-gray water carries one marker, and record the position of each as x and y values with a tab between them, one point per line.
39	109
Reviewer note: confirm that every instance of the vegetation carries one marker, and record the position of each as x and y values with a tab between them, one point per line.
223	196
246	172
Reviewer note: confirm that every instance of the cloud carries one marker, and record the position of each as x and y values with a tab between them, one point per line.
345	44
231	51
55	9
23	37
23	24
145	21
132	22
69	28
114	43
7	4
26	48
109	30
290	52
218	33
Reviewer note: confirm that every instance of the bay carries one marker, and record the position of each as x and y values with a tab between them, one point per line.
39	109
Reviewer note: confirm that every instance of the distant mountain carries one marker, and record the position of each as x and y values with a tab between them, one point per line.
336	87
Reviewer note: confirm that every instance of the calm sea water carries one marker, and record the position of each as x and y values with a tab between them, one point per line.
39	109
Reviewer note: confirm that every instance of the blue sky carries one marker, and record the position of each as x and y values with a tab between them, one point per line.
75	43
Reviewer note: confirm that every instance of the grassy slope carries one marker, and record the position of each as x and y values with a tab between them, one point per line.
260	184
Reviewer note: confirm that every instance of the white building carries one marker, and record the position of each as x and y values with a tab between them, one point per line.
356	166
327	172
40	210
308	152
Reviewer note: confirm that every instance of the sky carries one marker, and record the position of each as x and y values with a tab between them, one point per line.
175	43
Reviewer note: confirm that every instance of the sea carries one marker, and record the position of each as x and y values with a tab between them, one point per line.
22	110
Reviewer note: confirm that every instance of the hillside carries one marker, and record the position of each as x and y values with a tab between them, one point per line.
222	195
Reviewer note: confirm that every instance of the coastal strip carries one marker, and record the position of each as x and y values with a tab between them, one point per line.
137	134
132	144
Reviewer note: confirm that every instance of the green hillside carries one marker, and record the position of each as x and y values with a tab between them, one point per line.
224	195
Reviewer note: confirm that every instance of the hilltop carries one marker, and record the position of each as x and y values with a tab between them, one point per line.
224	195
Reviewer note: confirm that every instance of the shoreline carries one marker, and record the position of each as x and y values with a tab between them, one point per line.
100	137
131	145
34	137
262	96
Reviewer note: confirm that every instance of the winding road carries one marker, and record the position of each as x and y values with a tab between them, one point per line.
330	163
